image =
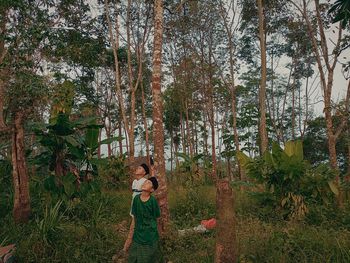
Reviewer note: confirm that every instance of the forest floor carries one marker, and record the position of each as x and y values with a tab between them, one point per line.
93	230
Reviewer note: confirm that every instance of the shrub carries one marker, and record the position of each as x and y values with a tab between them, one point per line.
289	179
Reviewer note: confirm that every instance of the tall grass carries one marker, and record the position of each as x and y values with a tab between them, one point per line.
89	230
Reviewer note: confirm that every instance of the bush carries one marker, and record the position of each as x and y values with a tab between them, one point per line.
193	204
6	189
114	174
291	183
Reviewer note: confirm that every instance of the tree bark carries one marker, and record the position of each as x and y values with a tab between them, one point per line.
158	130
21	206
225	250
3	52
262	90
115	47
188	131
145	125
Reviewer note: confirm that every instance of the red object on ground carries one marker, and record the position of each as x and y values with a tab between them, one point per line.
209	224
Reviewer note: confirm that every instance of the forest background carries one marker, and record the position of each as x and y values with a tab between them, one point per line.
245	102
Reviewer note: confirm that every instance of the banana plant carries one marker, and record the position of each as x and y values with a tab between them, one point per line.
68	147
288	176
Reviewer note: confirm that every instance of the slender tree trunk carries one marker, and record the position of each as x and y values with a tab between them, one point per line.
293	107
262	90
322	58
132	127
211	117
3	52
132	89
108	135
184	148
188	132
225	250
145	125
158	130
117	76
21	206
99	146
171	150
195	137
205	136
120	134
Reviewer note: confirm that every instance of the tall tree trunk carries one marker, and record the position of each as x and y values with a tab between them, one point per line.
211	116
205	131
171	150
117	76
184	148
158	130
108	135
21	206
99	146
326	77
188	132
131	132
145	125
120	134
195	132
132	89
262	90
293	107
225	250
3	51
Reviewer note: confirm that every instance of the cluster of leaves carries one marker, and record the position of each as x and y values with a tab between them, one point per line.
114	173
70	153
291	182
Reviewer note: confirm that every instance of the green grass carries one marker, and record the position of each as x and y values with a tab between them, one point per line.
92	230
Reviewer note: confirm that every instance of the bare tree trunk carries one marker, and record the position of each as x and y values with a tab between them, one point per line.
158	130
293	107
145	125
225	250
21	206
262	90
184	148
205	136
195	132
171	150
108	135
188	132
326	77
120	136
211	117
99	146
115	47
131	88
3	52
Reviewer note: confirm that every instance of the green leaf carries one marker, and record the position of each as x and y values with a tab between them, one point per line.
91	138
110	140
243	159
276	150
184	156
333	187
71	140
298	150
68	182
289	148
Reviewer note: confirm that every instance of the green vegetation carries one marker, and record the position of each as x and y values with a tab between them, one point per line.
92	229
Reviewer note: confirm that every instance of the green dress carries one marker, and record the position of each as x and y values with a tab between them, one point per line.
144	248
